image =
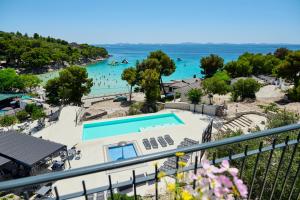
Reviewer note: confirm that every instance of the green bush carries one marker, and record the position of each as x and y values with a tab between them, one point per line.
37	113
22	115
294	93
123	197
245	88
8	120
34	111
135	109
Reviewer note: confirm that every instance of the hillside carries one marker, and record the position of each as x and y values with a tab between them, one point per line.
39	54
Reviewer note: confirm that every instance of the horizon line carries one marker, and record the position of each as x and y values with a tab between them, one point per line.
195	43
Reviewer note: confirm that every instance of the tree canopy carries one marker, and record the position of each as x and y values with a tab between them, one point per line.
218	84
10	81
35	52
245	88
211	64
69	87
290	67
130	75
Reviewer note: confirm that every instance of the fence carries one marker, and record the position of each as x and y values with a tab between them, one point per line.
276	158
199	108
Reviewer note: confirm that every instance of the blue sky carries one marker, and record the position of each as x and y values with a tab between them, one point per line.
156	21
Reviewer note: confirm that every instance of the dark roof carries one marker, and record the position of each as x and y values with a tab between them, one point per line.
24	149
3	161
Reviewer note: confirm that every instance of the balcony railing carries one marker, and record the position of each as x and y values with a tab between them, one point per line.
274	172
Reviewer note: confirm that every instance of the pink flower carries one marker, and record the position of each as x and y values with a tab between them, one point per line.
225	181
242	188
209	169
226	167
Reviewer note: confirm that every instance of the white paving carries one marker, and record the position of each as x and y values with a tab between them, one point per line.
93	152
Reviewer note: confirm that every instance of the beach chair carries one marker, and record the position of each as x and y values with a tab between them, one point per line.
90	197
153	143
169	140
147	144
162	141
100	196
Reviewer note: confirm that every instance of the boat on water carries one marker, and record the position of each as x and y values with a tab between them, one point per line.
179	59
114	63
124	61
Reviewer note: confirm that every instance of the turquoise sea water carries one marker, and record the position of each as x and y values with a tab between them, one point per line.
129	125
122	152
107	78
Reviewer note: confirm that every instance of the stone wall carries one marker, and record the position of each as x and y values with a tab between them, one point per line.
199	108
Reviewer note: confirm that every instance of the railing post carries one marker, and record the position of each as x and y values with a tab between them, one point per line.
84	190
267	169
134	185
244	160
278	168
110	188
289	166
195	171
255	170
56	193
156	183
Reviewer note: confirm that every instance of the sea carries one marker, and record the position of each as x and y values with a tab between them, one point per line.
107	78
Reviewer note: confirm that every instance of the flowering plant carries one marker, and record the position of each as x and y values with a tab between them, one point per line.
209	183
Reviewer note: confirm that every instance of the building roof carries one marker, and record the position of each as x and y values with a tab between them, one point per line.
187	87
24	149
185	82
9	95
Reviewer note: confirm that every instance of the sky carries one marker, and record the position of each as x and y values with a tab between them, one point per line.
155	21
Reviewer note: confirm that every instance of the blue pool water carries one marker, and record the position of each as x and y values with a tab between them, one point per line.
122	152
130	125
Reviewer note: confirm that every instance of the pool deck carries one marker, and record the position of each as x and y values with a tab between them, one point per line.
93	151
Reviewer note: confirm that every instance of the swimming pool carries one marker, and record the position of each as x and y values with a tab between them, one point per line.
121	152
129	125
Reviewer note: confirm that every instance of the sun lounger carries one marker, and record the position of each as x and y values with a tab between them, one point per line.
169	140
153	143
147	144
162	141
90	197
100	196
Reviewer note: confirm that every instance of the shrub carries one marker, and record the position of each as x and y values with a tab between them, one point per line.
294	93
123	197
8	120
35	111
135	109
22	115
245	88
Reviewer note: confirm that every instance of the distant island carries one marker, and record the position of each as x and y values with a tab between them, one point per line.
38	54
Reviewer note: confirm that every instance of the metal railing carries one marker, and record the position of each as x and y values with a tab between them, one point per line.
274	165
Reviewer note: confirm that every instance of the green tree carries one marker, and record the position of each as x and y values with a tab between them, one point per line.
150	84
245	88
166	65
211	64
70	86
52	89
9	80
130	75
290	67
281	53
194	96
218	84
30	81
